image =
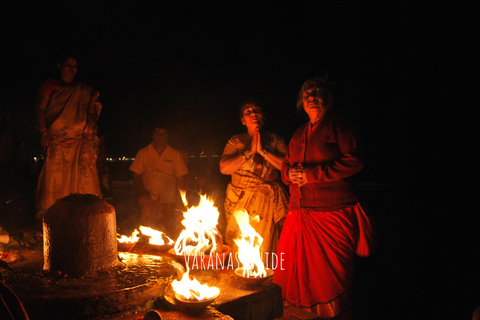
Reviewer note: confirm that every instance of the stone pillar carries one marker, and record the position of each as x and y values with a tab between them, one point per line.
80	235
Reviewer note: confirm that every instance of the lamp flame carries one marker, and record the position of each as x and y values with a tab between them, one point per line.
249	244
156	237
189	288
133	238
200	234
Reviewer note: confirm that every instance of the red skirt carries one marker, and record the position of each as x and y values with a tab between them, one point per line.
315	254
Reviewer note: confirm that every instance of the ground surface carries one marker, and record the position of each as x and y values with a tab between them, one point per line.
422	269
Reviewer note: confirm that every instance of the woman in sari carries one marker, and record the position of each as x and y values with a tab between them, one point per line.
321	230
67	113
253	159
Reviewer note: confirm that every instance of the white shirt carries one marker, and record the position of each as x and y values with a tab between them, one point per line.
159	172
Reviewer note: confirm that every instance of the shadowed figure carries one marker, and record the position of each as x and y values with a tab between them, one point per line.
67	114
159	173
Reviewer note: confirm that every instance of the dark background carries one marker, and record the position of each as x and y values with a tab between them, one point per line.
191	65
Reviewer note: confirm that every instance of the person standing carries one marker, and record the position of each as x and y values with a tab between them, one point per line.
67	113
321	231
159	173
254	159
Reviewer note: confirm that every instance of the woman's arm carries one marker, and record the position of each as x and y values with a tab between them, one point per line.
233	158
275	159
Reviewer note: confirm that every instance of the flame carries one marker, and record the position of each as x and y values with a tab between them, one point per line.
133	238
192	290
200	233
156	237
249	244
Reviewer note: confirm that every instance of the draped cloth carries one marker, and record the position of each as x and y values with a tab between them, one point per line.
326	224
267	199
316	251
70	162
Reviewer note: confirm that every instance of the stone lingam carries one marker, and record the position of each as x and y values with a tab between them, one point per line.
80	235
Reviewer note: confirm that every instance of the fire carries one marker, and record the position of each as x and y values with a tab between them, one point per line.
156	237
249	247
200	235
133	238
192	290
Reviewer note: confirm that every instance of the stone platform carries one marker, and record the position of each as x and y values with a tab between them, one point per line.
124	293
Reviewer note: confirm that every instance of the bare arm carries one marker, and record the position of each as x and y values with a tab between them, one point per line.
233	158
182	183
231	163
137	180
274	159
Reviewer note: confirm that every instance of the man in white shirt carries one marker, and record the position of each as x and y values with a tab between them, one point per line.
158	172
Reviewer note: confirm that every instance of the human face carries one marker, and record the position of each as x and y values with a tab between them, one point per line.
252	116
313	104
160	137
68	69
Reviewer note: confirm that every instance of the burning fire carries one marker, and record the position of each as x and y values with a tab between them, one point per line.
192	290
156	237
133	238
249	247
200	235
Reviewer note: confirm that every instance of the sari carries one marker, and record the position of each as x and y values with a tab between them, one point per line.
251	190
326	224
70	164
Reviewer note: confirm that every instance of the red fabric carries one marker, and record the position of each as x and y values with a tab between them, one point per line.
330	156
316	252
367	232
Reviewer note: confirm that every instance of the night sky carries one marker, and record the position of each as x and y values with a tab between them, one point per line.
191	66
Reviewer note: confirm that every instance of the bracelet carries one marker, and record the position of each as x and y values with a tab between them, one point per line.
245	156
263	153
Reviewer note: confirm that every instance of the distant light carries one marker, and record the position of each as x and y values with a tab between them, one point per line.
214	155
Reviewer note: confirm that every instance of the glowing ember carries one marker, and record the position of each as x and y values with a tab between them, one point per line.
192	290
249	247
132	239
156	237
200	235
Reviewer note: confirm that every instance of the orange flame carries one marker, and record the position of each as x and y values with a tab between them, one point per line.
200	233
133	238
249	244
156	237
191	289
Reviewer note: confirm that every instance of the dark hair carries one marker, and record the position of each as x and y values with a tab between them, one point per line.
67	55
244	105
327	91
160	127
